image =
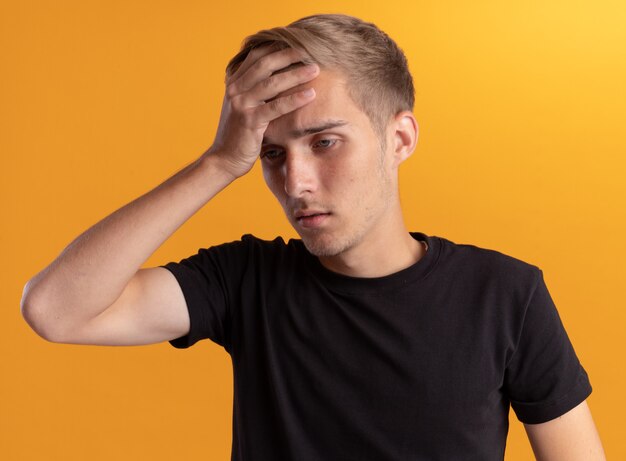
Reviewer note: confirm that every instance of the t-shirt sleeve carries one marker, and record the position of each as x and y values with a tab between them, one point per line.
544	378
204	279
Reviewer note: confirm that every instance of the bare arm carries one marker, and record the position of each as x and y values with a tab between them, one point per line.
94	269
570	437
94	291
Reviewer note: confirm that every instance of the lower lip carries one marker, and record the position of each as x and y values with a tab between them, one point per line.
313	221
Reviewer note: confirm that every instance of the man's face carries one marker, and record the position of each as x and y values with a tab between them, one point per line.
333	181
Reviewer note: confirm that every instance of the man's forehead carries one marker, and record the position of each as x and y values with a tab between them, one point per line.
331	108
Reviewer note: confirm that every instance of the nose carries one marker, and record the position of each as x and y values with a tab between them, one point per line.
299	174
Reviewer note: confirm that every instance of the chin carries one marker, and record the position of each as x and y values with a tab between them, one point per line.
321	250
326	246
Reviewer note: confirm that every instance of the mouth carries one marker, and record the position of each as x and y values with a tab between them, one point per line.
311	218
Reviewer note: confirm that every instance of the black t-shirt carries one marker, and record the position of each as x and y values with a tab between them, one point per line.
422	364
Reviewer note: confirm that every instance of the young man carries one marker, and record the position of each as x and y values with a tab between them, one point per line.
360	340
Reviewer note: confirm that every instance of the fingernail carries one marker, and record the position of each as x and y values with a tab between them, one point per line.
308	92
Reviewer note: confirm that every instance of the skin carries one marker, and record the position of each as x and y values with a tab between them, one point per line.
570	437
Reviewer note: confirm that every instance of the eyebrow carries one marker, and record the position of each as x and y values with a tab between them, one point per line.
300	133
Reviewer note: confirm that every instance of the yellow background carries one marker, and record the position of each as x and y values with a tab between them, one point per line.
521	106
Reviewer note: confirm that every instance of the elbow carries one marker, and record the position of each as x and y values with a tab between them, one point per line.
36	315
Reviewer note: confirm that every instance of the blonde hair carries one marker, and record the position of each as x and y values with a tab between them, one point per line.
375	68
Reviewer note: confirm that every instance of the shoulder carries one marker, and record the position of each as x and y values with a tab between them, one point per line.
488	266
249	250
254	251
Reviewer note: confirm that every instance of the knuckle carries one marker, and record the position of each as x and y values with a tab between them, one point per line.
231	90
278	104
254	54
269	82
236	103
264	65
234	100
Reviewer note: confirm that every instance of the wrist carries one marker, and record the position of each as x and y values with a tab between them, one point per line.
215	163
222	163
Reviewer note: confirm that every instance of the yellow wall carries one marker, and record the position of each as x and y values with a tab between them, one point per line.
521	107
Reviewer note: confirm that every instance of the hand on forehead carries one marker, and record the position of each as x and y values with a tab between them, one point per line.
281	59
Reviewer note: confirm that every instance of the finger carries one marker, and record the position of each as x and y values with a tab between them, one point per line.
252	57
265	66
283	105
268	89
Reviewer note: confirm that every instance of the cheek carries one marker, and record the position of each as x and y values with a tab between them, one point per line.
351	179
341	172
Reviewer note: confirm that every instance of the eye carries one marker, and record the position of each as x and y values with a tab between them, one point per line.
326	143
271	154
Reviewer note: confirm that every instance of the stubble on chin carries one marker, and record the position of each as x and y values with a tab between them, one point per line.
321	249
325	245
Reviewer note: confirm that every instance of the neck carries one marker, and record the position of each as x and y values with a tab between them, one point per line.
385	250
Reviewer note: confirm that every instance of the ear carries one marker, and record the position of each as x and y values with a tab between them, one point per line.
404	132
